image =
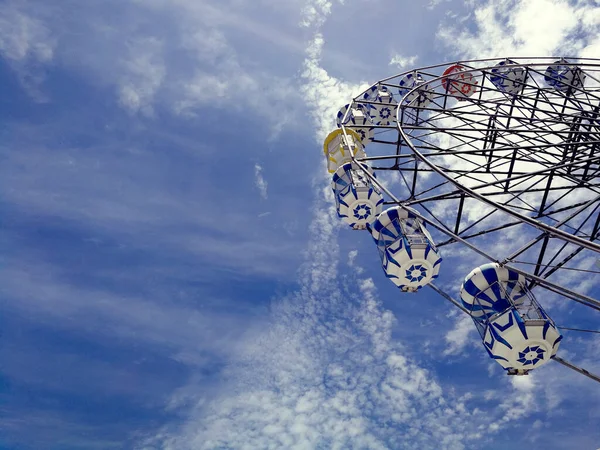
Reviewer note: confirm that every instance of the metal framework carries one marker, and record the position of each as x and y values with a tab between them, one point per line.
512	175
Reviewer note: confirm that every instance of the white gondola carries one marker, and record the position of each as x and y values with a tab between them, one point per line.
383	111
508	77
458	82
420	97
358	119
408	254
564	77
339	148
357	199
515	330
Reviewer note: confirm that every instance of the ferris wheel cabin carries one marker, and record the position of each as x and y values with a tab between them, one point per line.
358	119
339	148
382	106
408	255
357	199
515	330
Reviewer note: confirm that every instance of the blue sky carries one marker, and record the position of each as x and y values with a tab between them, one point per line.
173	274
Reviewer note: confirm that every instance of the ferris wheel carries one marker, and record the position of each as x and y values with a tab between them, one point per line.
495	158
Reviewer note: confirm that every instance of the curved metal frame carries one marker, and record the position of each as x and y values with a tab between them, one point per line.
417	160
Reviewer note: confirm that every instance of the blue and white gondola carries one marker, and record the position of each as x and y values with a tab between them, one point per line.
420	97
408	254
357	199
383	110
564	77
486	289
508	77
358	119
516	331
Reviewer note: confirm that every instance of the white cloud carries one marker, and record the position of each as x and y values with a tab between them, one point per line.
523	383
352	262
403	62
39	291
260	182
187	65
315	12
460	336
323	93
434	3
114	195
327	372
23	37
144	73
27	45
525	28
352	254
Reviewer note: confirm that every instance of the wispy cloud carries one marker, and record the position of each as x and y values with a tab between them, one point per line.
326	370
315	12
47	295
23	37
323	93
403	62
143	75
459	336
27	44
322	365
260	182
352	262
188	66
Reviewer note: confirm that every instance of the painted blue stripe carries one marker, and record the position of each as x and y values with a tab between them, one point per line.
427	250
391	259
392	214
478	308
546	327
387	232
511	287
521	324
510	323
394	251
500	338
491	276
397	226
482	297
558	339
495	356
470	287
488	344
342	202
513	276
407	246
